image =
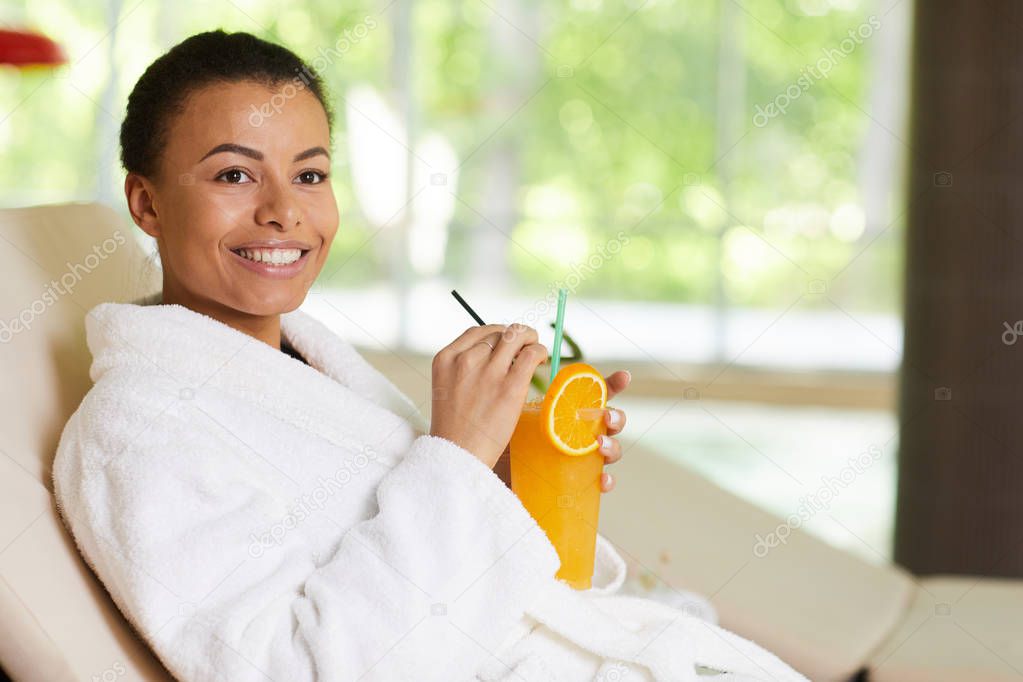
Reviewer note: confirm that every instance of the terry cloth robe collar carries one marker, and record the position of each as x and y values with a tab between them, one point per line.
336	381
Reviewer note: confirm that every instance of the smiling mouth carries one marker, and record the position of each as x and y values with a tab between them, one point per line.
272	257
273	264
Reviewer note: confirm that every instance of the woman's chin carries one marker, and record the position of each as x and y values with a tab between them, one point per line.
271	302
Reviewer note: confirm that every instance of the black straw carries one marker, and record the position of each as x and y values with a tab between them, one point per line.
479	320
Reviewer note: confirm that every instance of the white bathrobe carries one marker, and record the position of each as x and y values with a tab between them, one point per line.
257	518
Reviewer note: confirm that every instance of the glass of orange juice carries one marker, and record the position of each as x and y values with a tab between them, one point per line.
556	466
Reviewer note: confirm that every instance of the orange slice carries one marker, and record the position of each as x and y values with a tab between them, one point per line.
577	386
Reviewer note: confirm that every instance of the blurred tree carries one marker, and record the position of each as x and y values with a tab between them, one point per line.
575	120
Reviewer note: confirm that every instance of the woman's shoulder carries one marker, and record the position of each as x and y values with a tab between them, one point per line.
117	409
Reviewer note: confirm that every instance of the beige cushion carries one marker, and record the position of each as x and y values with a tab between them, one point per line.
819	609
56	621
959	628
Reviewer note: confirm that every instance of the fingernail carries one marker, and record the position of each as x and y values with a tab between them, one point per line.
613	417
605	443
610	479
628	374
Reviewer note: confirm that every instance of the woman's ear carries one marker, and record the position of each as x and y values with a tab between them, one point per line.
140	195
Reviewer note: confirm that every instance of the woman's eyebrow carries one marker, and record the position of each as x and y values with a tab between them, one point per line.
258	155
311	152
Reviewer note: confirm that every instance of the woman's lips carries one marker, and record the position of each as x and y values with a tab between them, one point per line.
271	271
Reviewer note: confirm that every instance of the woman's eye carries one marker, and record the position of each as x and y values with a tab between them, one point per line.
311	177
233	176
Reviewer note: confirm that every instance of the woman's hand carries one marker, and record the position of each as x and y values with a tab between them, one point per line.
612	449
478	393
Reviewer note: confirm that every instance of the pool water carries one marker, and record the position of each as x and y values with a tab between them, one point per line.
839	464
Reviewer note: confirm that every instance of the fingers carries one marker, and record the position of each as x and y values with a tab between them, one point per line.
610	448
471	336
612	451
615	419
479	352
529	358
514	338
617	382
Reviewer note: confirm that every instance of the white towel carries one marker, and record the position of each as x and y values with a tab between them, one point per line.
258	518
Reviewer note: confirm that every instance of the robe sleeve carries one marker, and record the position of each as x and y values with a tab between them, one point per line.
426	588
609	570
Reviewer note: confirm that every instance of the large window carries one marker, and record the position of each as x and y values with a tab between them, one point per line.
717	162
717	182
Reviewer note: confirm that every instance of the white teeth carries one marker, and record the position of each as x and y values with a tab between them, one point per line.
271	256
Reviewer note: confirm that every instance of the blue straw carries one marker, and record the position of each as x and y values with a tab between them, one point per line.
559	323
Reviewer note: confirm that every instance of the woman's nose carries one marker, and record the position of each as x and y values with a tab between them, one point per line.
277	205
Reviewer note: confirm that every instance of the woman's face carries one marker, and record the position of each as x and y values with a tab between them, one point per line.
239	196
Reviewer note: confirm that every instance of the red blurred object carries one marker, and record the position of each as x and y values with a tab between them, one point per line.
22	48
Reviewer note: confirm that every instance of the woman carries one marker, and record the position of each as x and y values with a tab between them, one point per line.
258	500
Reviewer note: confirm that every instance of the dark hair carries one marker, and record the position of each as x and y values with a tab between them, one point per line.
198	61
